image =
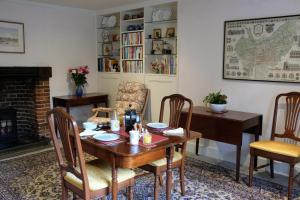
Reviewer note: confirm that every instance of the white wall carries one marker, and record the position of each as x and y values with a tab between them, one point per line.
55	36
201	53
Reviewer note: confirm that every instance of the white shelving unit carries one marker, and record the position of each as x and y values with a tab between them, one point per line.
142	56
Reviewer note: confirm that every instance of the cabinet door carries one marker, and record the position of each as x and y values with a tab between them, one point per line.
160	86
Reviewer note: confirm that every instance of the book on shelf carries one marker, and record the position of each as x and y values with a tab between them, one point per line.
107	64
132	53
164	65
136	38
132	66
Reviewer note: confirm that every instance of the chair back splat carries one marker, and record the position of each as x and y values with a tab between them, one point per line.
176	102
292	111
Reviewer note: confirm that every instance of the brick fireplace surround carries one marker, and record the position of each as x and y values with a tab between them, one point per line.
26	89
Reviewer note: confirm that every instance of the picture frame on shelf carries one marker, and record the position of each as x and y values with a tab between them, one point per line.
170	32
157	33
105	36
106	49
157	46
12	37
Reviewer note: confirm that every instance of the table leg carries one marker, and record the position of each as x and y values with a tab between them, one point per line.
169	156
255	157
197	146
237	164
114	181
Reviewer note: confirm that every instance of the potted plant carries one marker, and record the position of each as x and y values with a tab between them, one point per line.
217	101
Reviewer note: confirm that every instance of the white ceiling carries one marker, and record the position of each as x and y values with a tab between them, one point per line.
89	4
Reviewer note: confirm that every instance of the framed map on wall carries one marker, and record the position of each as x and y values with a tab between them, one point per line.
264	49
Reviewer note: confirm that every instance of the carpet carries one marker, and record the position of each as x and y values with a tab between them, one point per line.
37	177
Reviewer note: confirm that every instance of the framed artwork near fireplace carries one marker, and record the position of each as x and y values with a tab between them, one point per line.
12	37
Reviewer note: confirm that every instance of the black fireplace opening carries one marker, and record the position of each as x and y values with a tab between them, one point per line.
24	102
8	128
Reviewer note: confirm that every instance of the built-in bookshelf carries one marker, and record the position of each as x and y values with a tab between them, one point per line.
108	42
161	39
143	40
132	44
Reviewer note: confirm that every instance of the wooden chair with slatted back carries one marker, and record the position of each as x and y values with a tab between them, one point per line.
176	102
286	150
85	179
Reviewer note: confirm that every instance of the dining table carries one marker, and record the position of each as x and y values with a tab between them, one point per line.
121	154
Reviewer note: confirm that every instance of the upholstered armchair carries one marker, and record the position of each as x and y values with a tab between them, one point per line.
129	93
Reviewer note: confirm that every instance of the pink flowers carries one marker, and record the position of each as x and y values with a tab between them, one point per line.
79	75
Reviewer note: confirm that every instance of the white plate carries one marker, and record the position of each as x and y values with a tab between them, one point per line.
106	137
157	125
88	132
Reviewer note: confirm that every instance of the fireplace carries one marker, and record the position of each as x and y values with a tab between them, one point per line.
24	102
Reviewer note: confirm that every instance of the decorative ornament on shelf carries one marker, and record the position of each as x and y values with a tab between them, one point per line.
217	102
79	77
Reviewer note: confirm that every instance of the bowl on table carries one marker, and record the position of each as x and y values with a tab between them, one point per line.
89	125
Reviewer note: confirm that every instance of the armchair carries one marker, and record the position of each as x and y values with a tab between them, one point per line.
129	93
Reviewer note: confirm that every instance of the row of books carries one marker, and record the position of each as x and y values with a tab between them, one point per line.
132	52
136	38
165	65
132	66
108	65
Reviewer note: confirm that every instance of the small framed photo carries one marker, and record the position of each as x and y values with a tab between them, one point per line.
12	37
107	49
157	46
157	33
170	32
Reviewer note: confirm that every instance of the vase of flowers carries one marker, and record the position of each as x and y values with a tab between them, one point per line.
79	77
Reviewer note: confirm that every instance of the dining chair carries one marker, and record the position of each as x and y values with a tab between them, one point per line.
130	93
284	138
85	179
176	103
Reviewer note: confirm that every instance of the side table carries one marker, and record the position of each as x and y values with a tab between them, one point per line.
87	99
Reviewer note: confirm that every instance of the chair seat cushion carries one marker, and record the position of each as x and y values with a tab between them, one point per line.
177	156
99	175
278	147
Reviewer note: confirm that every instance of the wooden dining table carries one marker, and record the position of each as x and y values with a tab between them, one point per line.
124	155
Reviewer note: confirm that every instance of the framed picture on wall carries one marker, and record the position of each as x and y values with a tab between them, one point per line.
12	37
262	49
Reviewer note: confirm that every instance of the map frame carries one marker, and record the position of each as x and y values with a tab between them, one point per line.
262	49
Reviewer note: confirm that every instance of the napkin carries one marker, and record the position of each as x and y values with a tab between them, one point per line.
174	132
88	132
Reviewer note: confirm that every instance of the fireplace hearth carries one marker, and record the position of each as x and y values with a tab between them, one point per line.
24	101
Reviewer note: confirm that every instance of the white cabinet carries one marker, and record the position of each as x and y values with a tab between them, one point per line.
143	49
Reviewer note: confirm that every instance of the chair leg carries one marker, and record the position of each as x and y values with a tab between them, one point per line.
74	196
130	193
251	166
272	168
156	187
64	195
161	182
182	183
291	180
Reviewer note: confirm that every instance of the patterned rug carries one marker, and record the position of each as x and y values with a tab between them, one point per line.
37	177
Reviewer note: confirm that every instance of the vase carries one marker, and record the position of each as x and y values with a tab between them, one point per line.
218	108
79	91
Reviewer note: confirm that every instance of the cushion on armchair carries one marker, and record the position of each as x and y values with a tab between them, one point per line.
133	93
